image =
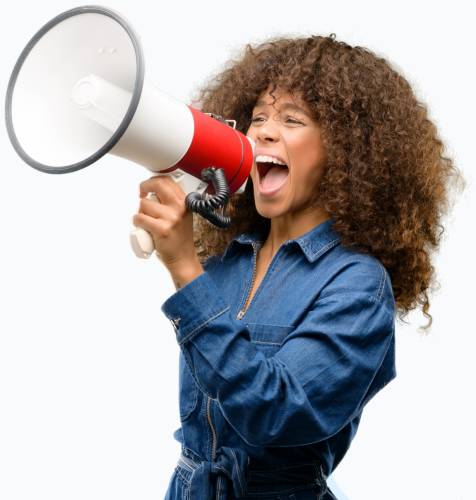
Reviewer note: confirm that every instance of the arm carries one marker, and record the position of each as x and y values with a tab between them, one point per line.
313	386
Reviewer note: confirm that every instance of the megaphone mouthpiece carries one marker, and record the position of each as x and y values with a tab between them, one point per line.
101	101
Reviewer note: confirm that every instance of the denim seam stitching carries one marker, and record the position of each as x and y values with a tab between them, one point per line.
198	383
180	473
382	281
270	324
238	472
192	468
324	248
264	342
344	291
201	326
219	488
186	415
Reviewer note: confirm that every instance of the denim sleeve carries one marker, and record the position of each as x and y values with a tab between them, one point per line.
318	380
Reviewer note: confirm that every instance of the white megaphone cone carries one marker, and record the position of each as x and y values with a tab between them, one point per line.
78	92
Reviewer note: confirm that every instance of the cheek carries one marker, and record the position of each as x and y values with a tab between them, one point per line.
308	158
309	146
251	133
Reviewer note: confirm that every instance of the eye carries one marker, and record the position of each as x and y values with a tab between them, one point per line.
293	121
257	119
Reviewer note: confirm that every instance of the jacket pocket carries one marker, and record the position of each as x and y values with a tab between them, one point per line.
188	390
268	338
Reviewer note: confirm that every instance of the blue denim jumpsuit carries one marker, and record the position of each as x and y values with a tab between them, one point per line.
271	396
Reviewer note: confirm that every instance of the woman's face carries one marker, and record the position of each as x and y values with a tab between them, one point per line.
286	134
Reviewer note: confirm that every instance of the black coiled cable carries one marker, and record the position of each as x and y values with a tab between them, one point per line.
206	205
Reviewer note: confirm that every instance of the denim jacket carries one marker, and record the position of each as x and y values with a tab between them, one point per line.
271	396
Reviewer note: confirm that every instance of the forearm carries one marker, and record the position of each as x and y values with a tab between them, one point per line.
182	274
309	389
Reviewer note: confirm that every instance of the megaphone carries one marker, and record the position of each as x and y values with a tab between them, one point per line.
78	92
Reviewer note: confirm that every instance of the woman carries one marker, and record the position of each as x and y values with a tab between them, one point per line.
286	320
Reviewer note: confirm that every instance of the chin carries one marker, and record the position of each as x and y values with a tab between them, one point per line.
268	211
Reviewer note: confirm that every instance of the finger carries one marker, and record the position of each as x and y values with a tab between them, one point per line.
164	187
157	227
155	209
169	189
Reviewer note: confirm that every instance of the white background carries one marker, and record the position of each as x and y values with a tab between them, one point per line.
88	364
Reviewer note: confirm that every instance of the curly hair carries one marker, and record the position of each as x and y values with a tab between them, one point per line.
386	182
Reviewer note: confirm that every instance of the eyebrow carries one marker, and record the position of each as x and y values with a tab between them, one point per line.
287	105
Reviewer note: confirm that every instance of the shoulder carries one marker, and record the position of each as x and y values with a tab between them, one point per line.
354	273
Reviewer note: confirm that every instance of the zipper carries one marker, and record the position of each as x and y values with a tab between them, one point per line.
242	312
214	436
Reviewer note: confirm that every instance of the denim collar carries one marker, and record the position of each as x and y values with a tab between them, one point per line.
313	243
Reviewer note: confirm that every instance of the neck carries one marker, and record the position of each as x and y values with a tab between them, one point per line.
290	226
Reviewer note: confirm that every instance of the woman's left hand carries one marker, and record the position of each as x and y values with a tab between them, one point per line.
171	227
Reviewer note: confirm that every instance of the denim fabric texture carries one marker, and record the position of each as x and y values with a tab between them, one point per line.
271	397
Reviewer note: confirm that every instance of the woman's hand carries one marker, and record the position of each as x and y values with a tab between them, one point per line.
171	227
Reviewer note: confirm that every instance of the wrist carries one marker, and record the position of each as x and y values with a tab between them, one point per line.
185	273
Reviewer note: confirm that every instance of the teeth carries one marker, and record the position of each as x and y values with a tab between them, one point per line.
268	159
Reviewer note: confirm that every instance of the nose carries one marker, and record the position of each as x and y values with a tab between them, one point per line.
268	131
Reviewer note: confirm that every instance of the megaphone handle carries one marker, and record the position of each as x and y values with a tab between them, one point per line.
141	241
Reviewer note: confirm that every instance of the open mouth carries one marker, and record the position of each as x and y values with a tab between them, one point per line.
272	175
